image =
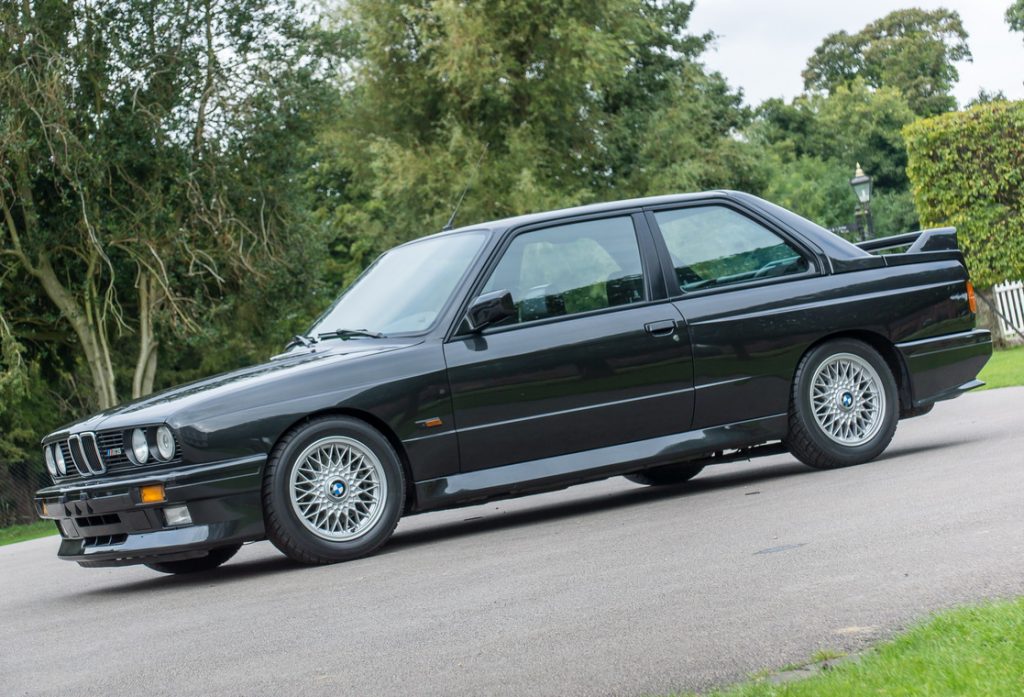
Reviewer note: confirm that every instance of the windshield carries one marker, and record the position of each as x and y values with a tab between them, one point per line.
405	289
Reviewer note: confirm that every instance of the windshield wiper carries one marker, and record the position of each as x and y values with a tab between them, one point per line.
350	334
299	340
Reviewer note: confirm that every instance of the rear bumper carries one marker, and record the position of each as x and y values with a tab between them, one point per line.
946	366
104	523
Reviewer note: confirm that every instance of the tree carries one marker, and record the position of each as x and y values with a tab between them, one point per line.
914	51
813	188
967	172
148	156
535	105
1015	16
816	140
986	97
854	124
857	124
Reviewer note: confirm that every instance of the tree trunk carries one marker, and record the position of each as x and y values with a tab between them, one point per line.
150	295
97	354
85	321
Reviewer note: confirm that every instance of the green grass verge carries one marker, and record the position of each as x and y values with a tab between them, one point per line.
20	533
969	651
1004	369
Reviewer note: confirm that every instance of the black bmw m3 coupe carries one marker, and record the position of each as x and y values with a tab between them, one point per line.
647	338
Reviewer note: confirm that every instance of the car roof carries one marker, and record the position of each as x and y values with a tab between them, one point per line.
832	245
503	224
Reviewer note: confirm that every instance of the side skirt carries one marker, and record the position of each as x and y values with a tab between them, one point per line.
559	472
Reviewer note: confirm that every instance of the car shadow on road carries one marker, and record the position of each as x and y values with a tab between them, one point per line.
708	481
778	467
232	571
544	511
540	513
897	451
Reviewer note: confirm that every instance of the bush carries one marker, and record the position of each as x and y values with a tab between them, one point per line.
967	170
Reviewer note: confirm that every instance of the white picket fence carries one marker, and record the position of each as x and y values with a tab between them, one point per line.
1010	301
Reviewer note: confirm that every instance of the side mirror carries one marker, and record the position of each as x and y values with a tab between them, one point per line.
490	308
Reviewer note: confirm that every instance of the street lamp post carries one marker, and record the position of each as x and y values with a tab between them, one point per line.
861	184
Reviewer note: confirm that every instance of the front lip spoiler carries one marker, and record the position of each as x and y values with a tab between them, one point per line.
159	546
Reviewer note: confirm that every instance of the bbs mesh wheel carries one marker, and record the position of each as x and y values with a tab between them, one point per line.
844	405
333	491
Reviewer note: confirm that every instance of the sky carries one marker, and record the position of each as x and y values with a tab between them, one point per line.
763	45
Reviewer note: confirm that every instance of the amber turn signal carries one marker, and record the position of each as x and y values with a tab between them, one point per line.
152	493
972	300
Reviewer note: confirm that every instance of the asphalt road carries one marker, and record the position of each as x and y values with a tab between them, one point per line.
607	588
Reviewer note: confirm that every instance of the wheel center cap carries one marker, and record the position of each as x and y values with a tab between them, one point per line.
846	400
337	488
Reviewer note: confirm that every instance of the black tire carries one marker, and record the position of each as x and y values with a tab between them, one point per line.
808	438
296	538
215	558
666	475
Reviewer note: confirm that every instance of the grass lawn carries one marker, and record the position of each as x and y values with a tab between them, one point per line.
969	651
1005	369
20	533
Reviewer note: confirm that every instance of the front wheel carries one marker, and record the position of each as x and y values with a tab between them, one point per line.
844	406
333	491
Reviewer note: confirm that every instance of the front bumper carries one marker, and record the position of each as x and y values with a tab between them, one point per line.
944	367
103	522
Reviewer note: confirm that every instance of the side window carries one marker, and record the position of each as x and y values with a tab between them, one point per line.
573	268
714	246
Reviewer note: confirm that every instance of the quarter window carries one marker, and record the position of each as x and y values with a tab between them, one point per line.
570	269
713	246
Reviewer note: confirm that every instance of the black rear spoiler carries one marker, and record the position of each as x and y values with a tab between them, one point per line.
940	239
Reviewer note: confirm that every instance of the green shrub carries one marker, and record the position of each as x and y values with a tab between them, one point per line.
967	170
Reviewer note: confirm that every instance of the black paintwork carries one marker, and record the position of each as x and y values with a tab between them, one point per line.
544	404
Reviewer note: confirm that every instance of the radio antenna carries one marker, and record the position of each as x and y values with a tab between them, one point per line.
451	220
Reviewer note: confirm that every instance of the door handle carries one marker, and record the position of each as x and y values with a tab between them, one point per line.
661	328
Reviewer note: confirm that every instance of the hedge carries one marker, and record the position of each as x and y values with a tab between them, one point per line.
966	169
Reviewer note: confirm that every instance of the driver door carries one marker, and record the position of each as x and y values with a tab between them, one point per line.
589	360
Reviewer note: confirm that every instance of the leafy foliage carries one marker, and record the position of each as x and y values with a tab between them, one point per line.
817	140
967	170
913	50
151	196
1015	16
535	105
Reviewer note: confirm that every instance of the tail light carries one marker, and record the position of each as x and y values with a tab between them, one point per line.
972	300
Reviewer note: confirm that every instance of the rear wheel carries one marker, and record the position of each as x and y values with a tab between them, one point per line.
844	405
333	491
215	558
666	475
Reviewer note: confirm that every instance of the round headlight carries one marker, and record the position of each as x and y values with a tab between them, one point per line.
58	456
51	464
140	448
164	443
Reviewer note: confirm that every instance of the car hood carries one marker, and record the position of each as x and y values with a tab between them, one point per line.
162	406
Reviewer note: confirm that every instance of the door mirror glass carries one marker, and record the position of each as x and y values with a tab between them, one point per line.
490	308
